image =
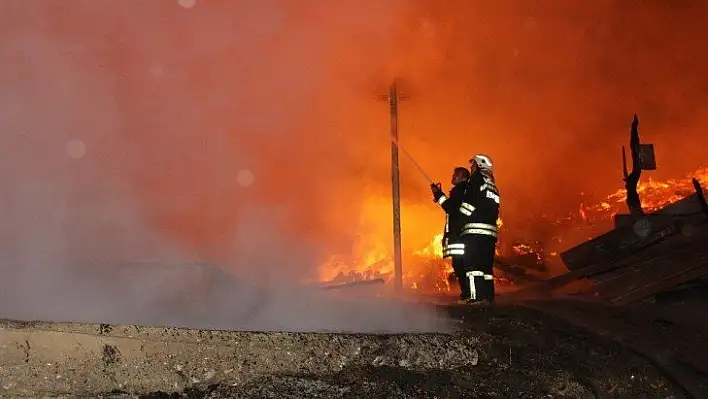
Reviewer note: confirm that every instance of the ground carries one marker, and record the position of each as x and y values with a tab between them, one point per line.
520	355
505	351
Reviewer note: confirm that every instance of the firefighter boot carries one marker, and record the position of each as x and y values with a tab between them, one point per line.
489	287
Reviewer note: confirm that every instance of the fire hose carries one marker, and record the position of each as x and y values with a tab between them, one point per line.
406	153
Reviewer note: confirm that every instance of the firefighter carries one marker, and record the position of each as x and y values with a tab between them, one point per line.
479	233
452	245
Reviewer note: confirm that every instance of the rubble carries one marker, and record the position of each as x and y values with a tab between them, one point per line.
630	264
646	254
357	283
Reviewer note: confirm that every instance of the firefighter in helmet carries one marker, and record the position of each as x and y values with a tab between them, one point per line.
479	233
452	244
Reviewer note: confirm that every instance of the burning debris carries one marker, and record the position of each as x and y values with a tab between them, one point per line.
655	248
523	262
425	271
654	194
642	159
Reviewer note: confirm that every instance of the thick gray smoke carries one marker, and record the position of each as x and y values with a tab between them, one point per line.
142	137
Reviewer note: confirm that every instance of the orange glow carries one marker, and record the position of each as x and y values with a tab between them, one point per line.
288	91
654	195
426	271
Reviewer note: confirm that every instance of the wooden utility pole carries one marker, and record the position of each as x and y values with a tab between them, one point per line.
396	189
393	99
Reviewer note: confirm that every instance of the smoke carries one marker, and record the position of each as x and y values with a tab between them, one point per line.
176	162
141	137
549	91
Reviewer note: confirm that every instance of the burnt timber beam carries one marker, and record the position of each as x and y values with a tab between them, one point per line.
608	262
700	196
352	284
627	239
631	180
619	243
681	254
515	273
673	280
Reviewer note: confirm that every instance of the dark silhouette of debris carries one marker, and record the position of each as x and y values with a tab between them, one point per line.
631	180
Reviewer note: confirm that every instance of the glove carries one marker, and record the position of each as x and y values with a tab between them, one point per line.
437	191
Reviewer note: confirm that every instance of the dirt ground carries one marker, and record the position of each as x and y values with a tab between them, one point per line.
505	351
534	350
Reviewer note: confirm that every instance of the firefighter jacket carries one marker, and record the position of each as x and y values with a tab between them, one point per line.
481	204
454	219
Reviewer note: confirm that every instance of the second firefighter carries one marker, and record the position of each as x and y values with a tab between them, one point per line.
452	245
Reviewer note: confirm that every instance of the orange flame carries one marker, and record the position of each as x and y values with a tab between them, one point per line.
654	195
426	271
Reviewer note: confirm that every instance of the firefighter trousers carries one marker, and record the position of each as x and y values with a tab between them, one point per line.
477	263
458	266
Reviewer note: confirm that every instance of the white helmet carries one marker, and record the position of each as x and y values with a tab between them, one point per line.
483	161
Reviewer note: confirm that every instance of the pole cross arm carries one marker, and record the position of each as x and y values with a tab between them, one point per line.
387	97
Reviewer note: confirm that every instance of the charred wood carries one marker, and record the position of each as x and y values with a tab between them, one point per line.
654	253
700	196
353	284
515	273
631	179
694	291
671	280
